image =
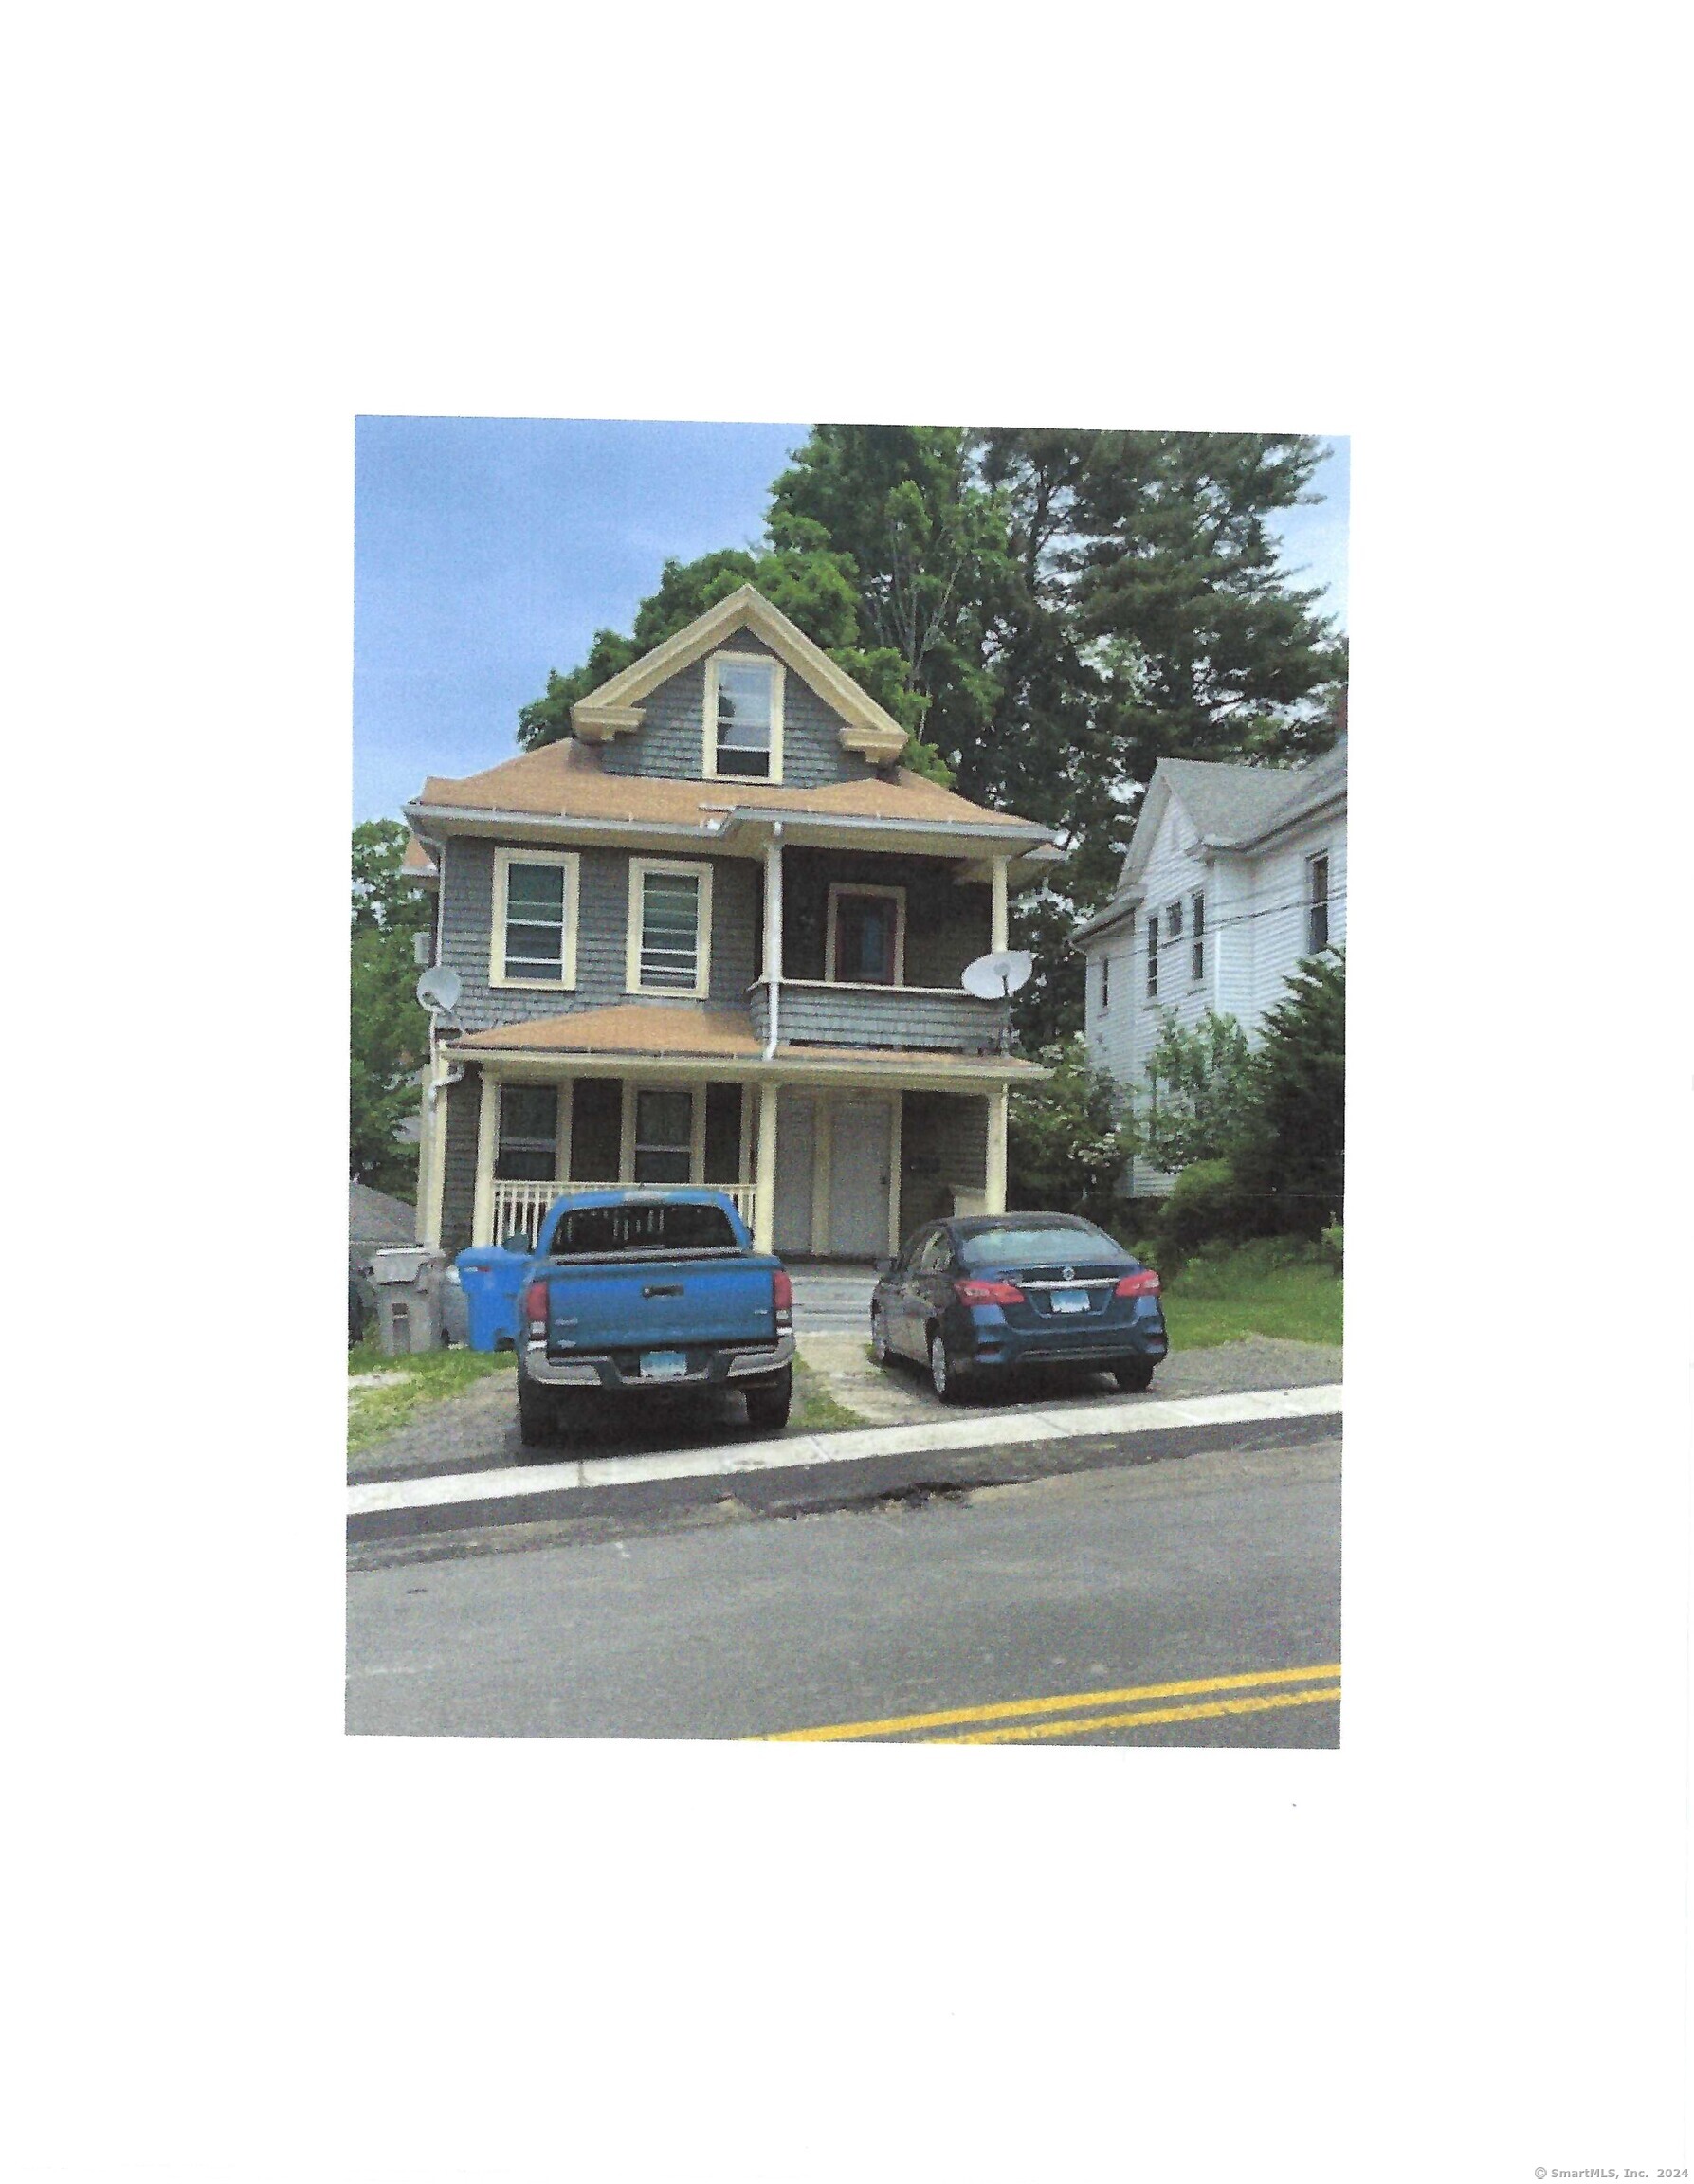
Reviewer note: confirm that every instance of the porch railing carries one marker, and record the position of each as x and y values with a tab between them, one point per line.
524	1206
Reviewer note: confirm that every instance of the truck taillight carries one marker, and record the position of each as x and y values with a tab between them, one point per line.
782	1296
1145	1283
987	1293
535	1307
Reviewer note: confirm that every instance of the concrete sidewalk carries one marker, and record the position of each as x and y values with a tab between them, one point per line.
1127	1416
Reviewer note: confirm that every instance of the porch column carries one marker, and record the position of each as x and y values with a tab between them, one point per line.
772	963
997	923
993	1200
764	1201
482	1211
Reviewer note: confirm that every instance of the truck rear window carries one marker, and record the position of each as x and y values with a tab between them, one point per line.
601	1231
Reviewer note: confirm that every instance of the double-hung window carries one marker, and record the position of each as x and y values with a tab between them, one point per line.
1198	943
1105	983
1153	957
528	1134
744	716
535	918
663	1135
1317	912
670	924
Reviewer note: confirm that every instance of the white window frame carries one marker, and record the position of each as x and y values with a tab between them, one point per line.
572	865
1153	958
1196	937
897	894
708	763
690	868
1174	922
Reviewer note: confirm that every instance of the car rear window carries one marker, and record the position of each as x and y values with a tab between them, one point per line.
601	1231
1037	1247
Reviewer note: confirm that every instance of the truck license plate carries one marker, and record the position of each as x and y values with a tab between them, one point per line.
663	1365
1070	1299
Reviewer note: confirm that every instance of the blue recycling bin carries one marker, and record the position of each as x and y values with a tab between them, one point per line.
490	1277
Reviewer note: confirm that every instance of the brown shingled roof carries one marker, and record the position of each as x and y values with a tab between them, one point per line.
626	1027
566	779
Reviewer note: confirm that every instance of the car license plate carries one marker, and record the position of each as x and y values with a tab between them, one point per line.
1070	1299
663	1365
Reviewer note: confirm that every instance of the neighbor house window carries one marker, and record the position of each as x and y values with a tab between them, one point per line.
866	942
1197	930
1105	983
528	1134
744	716
535	918
1317	916
1153	958
663	1136
1173	923
670	922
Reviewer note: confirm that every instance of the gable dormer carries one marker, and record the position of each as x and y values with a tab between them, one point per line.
740	695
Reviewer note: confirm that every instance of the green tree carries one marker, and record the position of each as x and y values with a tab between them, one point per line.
1067	1146
1289	1153
1199	1085
389	1031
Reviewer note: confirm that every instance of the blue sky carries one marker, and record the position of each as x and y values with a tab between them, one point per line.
490	548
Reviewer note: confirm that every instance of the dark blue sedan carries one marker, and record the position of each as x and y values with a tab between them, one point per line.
973	1299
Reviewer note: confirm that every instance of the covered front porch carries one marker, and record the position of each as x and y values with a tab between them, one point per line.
823	1161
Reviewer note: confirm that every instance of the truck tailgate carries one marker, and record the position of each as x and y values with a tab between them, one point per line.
655	1305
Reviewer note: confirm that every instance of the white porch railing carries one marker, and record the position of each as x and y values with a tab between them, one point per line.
524	1206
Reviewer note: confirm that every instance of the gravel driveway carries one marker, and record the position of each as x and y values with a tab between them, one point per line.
478	1430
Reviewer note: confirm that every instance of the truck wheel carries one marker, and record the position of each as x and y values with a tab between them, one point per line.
1135	1377
768	1408
537	1413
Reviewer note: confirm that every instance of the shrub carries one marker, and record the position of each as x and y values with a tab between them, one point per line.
1289	1153
1205	1207
1066	1145
1330	1245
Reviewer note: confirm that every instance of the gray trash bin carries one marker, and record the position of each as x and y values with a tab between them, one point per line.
408	1282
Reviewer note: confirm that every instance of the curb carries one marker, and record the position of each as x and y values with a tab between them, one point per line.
516	1482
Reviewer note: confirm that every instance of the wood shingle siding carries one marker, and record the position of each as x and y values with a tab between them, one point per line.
671	739
468	912
943	1141
887	1016
461	1165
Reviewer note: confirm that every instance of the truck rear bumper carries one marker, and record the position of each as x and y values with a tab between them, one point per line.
738	1362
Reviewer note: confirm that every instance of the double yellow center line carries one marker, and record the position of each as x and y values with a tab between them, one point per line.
1077	1713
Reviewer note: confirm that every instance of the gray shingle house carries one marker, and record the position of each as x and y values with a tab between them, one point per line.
716	936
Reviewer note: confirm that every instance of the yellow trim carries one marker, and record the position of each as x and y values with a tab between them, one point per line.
895	1122
839	888
708	754
503	860
993	1193
764	1200
482	1209
692	867
997	917
612	709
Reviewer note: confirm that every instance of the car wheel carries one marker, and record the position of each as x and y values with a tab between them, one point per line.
537	1413
879	1339
1135	1377
768	1408
944	1376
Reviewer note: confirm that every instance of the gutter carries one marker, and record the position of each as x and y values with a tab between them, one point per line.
560	822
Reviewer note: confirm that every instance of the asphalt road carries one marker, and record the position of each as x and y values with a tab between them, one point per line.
1092	1593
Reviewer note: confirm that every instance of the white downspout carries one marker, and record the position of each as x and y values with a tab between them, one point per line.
773	935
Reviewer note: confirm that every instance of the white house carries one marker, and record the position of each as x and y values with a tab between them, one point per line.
1234	873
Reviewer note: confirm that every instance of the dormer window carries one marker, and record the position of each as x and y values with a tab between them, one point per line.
744	722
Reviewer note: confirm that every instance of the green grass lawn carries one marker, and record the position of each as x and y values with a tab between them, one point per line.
1221	1300
373	1412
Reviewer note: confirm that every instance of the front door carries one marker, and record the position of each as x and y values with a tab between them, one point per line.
858	1179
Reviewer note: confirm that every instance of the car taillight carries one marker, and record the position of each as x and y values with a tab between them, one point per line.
782	1296
1145	1283
535	1307
987	1293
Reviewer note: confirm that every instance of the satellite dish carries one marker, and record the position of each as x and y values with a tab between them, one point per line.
439	990
993	977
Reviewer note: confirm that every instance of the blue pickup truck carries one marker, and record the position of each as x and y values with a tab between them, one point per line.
633	1291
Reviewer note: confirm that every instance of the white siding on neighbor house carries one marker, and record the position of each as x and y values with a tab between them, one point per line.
1256	904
